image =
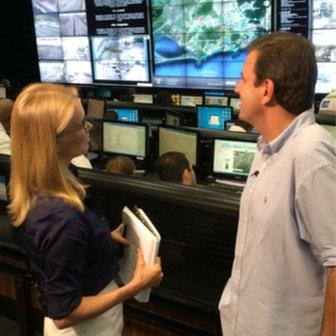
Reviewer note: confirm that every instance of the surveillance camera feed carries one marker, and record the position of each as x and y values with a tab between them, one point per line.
323	37
62	41
172	43
202	44
120	59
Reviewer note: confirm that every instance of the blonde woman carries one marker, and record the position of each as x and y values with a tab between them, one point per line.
70	249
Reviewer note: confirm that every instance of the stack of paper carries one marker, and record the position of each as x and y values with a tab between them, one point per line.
141	234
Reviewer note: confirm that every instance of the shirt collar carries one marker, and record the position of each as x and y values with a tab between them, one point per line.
301	121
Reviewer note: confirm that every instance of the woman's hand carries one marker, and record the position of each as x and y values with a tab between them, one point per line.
117	235
147	276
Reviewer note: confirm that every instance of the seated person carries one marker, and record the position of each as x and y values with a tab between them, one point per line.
120	164
175	167
6	106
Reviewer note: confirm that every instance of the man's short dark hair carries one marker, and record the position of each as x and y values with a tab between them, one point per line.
289	61
170	166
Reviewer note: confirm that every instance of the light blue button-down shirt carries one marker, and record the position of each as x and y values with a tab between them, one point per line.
286	236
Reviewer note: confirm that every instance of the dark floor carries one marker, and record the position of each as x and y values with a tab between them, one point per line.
10	328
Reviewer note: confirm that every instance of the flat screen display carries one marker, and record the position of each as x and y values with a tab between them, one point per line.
216	100
323	31
143	98
123	138
213	117
201	44
233	158
191	100
178	140
171	43
127	114
62	41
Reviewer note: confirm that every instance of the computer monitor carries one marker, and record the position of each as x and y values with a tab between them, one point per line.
216	100
232	159
127	114
96	108
191	100
143	98
172	139
213	117
125	138
235	104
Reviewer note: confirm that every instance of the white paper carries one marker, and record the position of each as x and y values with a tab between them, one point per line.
139	236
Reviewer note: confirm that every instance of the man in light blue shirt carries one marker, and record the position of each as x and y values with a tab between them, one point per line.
283	277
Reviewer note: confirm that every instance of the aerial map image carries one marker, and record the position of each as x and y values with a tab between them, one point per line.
205	38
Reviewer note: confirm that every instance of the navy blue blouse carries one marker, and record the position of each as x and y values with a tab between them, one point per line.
71	253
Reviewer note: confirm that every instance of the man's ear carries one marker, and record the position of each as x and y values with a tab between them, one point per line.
267	92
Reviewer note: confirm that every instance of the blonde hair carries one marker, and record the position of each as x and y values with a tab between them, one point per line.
41	112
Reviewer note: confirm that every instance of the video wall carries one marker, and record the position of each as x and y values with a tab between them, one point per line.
322	33
198	44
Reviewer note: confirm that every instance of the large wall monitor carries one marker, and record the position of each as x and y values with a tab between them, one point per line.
125	138
323	31
213	117
176	43
178	140
233	158
62	41
201	44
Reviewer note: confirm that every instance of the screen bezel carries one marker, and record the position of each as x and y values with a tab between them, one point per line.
184	129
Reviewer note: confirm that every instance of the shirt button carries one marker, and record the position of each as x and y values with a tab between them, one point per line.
238	271
245	219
